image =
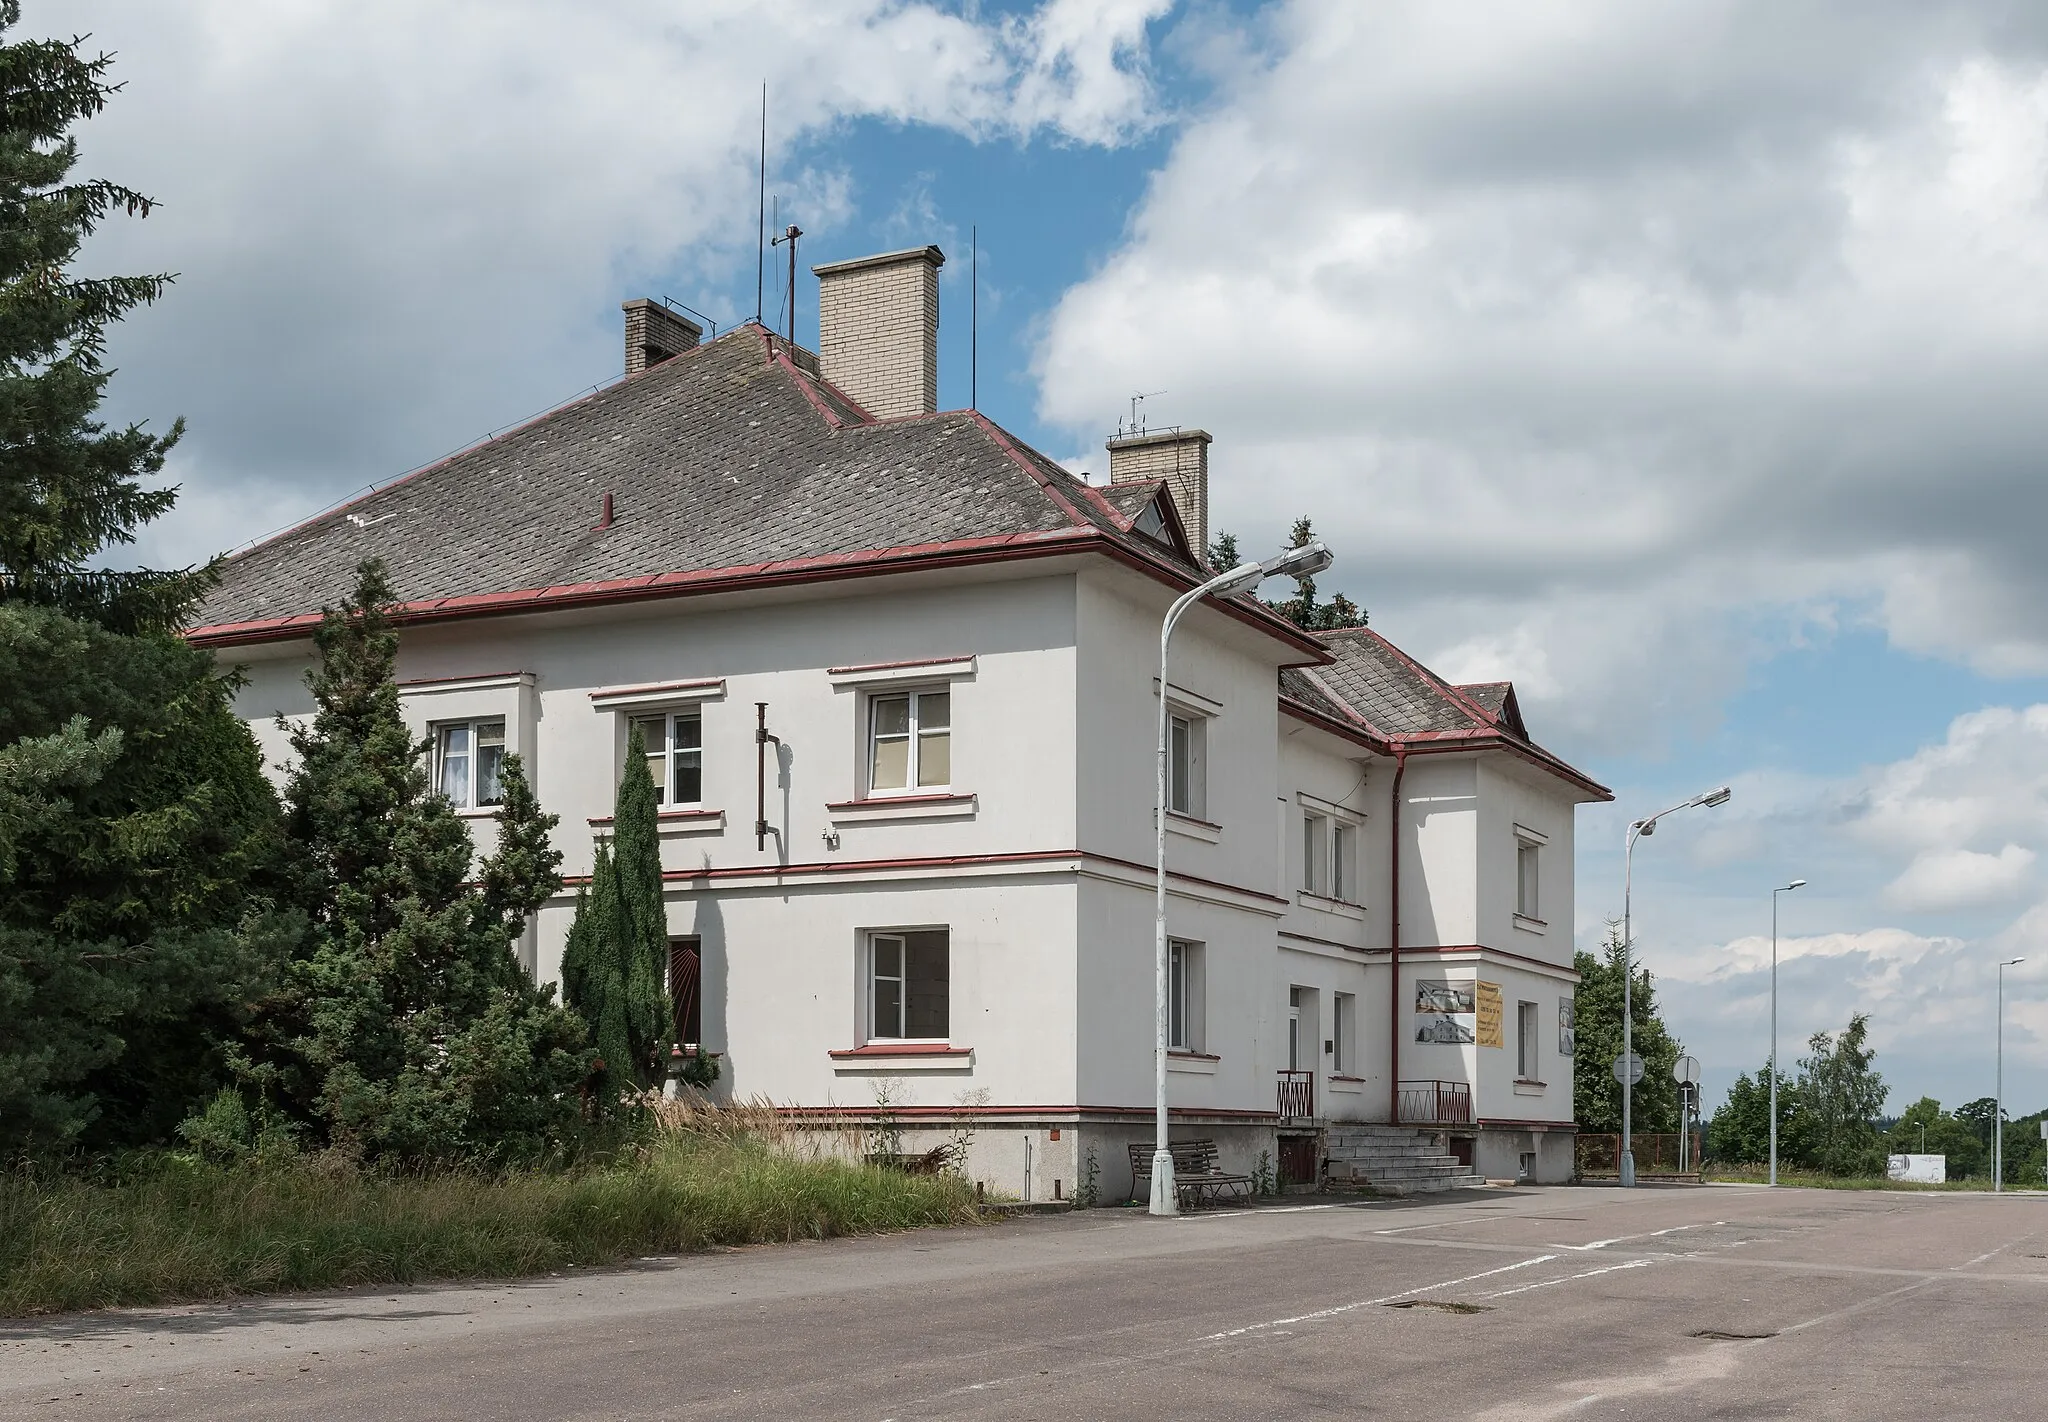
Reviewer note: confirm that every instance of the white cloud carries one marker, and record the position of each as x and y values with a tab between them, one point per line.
1960	878
1610	341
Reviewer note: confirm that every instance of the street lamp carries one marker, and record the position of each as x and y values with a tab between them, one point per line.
1713	800
1306	561
1998	1109
1781	889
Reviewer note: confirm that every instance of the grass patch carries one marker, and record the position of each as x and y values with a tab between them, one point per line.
1805	1180
171	1228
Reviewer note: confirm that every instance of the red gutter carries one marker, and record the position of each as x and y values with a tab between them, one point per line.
1394	942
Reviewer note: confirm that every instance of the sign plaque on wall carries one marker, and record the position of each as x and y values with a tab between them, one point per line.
1491	1033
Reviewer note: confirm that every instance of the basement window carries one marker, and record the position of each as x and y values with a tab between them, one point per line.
471	756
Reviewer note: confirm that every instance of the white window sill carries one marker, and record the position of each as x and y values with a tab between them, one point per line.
477	812
894	1058
674	824
883	673
1343	908
657	696
1531	1088
1530	925
1347	1085
926	805
1188	827
1192	1063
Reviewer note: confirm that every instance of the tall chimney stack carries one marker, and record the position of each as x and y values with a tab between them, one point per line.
654	334
878	330
1181	458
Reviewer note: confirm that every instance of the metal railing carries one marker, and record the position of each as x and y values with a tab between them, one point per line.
1297	1095
1435	1103
1657	1153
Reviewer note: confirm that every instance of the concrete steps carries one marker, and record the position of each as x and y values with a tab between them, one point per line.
1398	1160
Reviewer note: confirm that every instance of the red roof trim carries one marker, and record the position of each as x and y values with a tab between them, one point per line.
901	1049
1361	734
1409	948
1329	942
1037	476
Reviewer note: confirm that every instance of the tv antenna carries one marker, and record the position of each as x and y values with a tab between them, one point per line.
1136	424
789	238
761	213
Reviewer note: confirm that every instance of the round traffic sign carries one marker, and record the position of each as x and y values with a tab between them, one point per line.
1686	1071
1628	1069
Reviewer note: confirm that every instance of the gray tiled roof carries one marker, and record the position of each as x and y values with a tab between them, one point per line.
723	457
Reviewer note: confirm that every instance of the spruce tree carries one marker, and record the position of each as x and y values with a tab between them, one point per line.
1596	1026
614	964
69	487
408	1028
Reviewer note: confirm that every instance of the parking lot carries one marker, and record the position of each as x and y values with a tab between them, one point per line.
1513	1303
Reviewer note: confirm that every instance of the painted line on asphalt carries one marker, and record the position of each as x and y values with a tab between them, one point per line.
1568	1278
1652	1234
1368	1303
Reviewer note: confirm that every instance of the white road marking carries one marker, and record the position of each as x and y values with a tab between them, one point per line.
1368	1303
1653	1234
1609	1269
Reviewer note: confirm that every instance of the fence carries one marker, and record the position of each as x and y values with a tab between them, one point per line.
1656	1154
1435	1103
1297	1095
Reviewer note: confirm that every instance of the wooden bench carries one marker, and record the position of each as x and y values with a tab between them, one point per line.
1196	1175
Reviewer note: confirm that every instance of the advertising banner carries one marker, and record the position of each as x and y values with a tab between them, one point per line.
1491	1031
1444	1013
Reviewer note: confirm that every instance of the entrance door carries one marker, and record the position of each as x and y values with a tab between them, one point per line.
1294	1029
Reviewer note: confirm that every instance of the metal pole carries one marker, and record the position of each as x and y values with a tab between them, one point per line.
1774	1035
1165	1198
1998	1108
1626	1167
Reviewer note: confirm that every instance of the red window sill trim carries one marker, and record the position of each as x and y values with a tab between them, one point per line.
875	802
1193	1056
1334	1076
902	1049
1193	820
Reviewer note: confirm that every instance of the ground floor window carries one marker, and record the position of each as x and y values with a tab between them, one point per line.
1527	1042
685	990
1183	995
909	985
1343	1034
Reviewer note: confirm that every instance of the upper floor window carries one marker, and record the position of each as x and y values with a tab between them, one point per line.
675	755
471	756
1527	861
1343	861
910	741
1185	748
909	986
1314	869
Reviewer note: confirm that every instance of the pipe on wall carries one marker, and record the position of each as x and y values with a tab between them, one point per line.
1394	821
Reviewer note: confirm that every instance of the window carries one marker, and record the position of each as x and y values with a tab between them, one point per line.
472	756
1527	1042
1184	771
1183	995
907	986
1344	1059
1526	900
1314	877
685	982
910	741
1343	838
675	755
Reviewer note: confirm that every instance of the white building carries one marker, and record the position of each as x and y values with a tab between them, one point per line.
933	885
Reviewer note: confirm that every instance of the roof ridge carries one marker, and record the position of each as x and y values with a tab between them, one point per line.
1450	692
1008	444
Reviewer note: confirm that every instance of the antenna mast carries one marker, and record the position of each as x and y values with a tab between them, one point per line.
761	213
973	318
789	237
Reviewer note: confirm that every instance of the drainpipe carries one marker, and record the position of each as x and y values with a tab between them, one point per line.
1394	943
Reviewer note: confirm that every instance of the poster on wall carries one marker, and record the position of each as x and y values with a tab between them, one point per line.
1567	1026
1491	1032
1444	1013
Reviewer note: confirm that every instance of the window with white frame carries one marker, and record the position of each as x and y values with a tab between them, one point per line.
471	756
1527	861
1528	1043
1343	861
675	755
909	976
910	742
1344	1034
1186	751
1183	995
1315	830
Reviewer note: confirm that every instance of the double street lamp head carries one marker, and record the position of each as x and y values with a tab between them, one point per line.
1303	562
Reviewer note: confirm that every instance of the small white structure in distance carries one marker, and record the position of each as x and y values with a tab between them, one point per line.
1918	1169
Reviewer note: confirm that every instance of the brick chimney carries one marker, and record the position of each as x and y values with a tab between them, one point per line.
1181	458
654	333
878	329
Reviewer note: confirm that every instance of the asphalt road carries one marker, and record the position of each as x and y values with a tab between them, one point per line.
1718	1302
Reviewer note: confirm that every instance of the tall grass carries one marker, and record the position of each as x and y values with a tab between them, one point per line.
1748	1174
169	1228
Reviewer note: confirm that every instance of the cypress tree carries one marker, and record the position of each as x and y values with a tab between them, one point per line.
614	964
72	487
408	1028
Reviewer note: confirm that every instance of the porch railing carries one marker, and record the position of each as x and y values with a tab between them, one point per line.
1435	1103
1297	1095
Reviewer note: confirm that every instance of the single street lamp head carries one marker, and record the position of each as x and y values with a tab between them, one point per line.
1303	562
1715	799
1795	884
1644	827
2012	962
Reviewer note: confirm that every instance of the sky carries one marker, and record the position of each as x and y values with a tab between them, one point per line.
1680	362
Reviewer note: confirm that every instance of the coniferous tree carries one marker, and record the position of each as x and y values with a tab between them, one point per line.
408	1028
614	964
1596	1095
69	486
1302	609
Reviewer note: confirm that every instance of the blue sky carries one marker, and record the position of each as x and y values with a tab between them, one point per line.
1679	362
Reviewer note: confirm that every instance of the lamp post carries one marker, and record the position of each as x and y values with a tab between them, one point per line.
1637	829
1307	560
1781	889
1998	1108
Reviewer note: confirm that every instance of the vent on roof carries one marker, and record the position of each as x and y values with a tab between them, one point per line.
878	330
1181	458
655	334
